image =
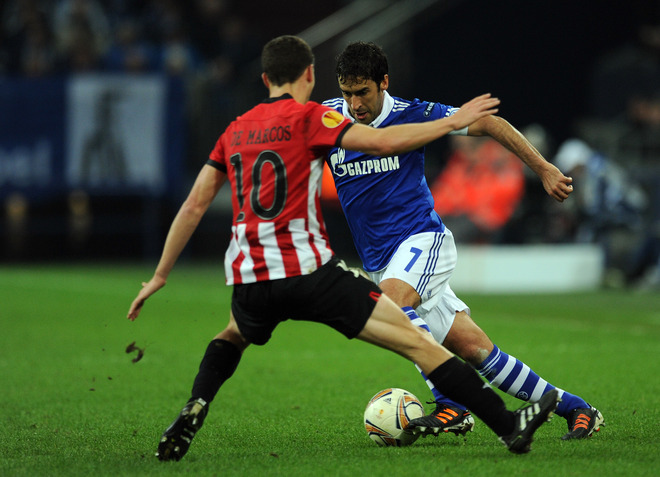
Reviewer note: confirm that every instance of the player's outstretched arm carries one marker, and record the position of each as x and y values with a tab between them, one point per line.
555	183
201	195
407	137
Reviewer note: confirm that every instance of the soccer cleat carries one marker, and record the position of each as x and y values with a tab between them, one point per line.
443	419
177	438
527	420
583	422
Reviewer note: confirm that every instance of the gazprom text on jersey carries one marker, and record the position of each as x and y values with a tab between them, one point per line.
368	166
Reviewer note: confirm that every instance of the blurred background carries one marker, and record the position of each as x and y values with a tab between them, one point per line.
108	109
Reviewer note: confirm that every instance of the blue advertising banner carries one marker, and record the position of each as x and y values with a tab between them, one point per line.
105	134
32	133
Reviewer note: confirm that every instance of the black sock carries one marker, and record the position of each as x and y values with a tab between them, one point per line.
219	363
461	383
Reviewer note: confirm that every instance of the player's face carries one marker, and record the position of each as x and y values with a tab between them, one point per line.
364	98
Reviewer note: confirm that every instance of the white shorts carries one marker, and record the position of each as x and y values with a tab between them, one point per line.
426	262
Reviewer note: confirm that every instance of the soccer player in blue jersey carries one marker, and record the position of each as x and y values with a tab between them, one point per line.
408	251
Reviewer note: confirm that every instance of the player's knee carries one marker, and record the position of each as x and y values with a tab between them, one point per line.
475	355
234	336
400	292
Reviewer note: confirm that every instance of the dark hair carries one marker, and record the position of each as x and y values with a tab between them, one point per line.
361	60
285	58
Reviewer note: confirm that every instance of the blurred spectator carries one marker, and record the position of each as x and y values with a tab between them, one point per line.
604	194
79	219
643	105
82	55
178	55
645	112
208	18
37	56
129	52
624	118
159	17
239	44
16	223
642	269
222	72
479	189
82	33
625	124
16	13
119	10
629	74
26	39
607	206
42	37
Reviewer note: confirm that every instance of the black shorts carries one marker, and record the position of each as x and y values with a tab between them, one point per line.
331	295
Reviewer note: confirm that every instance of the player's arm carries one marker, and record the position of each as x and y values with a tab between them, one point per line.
407	137
199	199
555	183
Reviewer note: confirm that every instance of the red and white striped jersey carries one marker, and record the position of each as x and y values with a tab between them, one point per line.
273	156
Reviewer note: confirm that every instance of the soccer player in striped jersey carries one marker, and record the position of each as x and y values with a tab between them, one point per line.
280	262
408	251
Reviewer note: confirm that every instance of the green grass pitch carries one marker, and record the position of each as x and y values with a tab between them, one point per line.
74	403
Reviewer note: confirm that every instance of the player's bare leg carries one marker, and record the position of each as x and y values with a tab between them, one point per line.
467	340
389	327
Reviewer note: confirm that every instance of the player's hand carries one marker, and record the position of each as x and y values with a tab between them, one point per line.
148	289
474	110
556	184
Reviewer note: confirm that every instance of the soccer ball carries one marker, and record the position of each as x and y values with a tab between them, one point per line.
388	413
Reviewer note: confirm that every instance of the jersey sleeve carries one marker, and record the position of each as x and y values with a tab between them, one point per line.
217	157
433	111
326	126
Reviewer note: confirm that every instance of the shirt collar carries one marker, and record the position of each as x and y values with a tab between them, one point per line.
272	100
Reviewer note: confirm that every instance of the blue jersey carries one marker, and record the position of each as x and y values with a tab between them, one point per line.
386	199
